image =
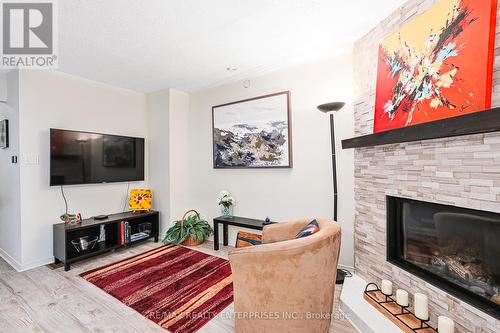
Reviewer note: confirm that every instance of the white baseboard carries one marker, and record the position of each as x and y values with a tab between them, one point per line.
35	264
11	261
23	267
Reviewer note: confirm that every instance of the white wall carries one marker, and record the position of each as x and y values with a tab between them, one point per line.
10	205
181	130
56	100
282	194
168	119
344	129
4	87
159	164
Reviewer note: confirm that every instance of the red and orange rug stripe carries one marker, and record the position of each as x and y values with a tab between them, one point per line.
177	288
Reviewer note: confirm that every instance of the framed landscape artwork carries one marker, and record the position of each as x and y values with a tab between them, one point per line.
438	66
253	133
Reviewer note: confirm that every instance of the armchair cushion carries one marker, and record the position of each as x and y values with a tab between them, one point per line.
309	229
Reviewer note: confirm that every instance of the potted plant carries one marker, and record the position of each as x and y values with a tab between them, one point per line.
226	202
191	230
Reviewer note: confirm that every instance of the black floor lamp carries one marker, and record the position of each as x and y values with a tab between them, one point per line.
331	108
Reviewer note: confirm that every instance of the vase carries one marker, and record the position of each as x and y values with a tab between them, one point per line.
227	211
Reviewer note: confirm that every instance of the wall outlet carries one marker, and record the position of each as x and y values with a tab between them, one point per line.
14	159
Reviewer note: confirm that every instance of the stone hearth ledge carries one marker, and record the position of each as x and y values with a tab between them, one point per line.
364	317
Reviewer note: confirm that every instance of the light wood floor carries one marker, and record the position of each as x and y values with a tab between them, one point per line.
45	300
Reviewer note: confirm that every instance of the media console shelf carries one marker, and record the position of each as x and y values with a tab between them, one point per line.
65	252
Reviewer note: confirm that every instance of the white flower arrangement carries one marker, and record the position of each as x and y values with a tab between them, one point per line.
225	199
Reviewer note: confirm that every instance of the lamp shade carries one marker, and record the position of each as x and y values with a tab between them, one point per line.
331	107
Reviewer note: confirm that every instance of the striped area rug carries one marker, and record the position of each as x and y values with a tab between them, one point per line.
175	287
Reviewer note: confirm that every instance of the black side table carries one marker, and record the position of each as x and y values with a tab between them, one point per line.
234	221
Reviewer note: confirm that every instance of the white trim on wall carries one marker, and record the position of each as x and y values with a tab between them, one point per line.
23	267
11	261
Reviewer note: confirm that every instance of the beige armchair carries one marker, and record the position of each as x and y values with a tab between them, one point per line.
286	284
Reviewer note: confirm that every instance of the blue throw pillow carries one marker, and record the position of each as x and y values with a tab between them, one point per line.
309	229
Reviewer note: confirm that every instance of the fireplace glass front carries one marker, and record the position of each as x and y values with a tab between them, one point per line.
456	249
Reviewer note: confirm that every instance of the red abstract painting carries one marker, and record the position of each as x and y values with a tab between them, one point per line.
438	66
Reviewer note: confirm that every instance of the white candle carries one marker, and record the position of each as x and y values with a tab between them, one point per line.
421	307
387	287
402	297
445	325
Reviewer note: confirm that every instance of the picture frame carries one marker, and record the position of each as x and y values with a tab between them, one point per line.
4	134
254	133
454	44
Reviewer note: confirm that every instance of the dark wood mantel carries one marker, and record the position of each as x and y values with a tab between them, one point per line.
473	123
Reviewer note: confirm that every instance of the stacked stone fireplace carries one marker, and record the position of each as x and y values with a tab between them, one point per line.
462	171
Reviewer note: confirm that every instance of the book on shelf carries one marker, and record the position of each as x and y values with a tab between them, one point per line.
102	233
139	236
122	232
127	232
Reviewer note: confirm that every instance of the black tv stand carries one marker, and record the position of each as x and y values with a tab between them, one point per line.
66	253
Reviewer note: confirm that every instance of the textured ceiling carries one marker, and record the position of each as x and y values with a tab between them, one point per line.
149	45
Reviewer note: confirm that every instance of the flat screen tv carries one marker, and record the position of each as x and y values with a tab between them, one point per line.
91	158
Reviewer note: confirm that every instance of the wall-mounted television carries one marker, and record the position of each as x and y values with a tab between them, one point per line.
91	158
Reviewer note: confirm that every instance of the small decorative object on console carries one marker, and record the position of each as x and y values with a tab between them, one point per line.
71	219
140	200
268	221
190	230
226	203
83	244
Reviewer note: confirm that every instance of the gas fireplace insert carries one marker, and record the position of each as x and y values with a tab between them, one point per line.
456	249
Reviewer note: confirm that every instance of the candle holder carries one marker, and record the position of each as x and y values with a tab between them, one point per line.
424	322
398	314
403	308
388	297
